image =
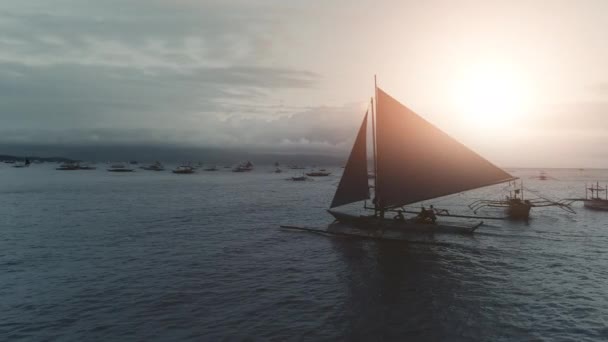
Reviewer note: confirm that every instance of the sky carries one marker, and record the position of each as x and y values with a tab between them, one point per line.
524	83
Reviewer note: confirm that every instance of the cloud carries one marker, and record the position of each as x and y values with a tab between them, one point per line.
133	72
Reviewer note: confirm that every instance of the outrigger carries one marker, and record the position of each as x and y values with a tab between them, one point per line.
516	206
413	161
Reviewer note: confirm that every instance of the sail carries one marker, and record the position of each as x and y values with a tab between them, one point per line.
353	186
417	161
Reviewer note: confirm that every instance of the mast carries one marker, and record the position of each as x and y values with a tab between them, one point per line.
374	148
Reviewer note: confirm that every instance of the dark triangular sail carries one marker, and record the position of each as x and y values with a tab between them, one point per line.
417	161
354	186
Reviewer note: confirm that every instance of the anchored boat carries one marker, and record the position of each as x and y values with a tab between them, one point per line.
185	169
318	173
595	202
119	168
517	207
245	167
68	166
156	166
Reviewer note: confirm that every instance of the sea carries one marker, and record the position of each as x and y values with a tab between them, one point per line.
156	256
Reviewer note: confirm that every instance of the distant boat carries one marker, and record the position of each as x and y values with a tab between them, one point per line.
414	161
85	166
68	166
212	168
542	175
296	167
26	163
277	170
594	201
319	173
156	166
244	167
9	161
133	162
119	168
184	170
299	178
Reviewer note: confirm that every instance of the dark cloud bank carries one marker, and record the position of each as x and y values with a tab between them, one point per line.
98	79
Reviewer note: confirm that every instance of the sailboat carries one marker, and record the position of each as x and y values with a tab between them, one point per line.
413	161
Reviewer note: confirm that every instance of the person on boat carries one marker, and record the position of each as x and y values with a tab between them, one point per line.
423	215
431	213
399	216
426	216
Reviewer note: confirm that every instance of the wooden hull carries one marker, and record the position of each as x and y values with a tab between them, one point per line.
519	211
596	204
398	228
318	174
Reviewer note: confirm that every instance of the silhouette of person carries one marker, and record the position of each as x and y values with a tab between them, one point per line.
431	214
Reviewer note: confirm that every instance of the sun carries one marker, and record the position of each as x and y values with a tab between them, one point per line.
491	96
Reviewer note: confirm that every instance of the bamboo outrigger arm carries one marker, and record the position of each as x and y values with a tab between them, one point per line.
563	204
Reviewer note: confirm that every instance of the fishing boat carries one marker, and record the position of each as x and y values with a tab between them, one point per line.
517	207
542	175
86	166
594	201
296	167
184	170
119	168
318	173
156	166
244	167
68	166
413	161
299	178
26	163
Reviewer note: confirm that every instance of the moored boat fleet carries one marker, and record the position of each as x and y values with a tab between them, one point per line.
183	168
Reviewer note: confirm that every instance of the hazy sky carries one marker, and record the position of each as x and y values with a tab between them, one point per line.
525	83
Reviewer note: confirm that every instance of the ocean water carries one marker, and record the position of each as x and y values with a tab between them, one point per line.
99	256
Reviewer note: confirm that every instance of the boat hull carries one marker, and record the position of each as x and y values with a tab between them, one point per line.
519	211
401	228
596	204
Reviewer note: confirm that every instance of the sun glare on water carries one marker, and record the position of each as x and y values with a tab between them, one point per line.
491	96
